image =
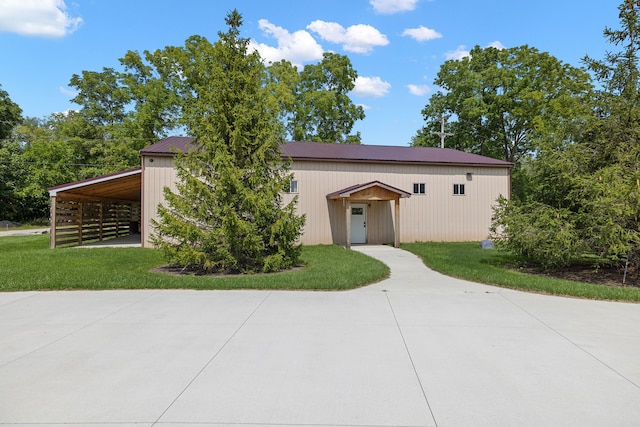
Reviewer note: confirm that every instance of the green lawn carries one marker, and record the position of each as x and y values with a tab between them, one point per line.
469	261
27	263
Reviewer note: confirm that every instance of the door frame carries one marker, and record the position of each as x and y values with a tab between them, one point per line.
365	213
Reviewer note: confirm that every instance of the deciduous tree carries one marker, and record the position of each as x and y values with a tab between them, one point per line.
45	153
128	109
324	112
10	114
587	194
12	171
507	103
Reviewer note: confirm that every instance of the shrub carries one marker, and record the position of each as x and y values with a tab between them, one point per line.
537	233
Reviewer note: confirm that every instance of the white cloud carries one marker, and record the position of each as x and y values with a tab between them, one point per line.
422	33
419	90
462	52
388	7
48	18
497	45
371	86
297	47
68	92
459	53
359	38
329	31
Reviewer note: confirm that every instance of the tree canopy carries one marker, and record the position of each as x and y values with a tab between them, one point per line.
10	114
323	111
507	103
124	109
12	171
147	99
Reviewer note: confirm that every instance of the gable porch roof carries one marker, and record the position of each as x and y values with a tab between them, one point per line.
392	192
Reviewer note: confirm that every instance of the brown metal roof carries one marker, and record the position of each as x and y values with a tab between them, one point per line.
349	153
169	146
383	153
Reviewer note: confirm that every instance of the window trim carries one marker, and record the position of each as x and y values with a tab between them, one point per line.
421	188
459	190
293	187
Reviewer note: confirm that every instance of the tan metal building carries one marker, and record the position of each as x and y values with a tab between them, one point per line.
359	194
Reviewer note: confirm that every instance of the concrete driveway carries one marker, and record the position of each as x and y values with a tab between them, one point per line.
418	349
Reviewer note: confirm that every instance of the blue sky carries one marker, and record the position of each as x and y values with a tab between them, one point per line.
396	46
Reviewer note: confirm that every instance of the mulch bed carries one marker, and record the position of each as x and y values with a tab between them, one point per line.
610	276
173	270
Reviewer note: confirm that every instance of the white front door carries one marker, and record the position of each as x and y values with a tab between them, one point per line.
358	224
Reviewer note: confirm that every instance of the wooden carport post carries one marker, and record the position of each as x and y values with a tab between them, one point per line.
53	220
348	221
396	240
80	220
101	220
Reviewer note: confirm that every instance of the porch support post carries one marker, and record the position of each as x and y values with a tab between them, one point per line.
347	218
53	221
396	242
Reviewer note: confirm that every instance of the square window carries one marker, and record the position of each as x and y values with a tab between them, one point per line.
458	189
293	186
419	188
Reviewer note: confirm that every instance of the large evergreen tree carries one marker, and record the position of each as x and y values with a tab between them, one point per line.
228	215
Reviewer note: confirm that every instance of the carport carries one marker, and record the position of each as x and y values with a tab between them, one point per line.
96	209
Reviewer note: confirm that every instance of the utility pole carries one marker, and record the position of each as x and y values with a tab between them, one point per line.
442	134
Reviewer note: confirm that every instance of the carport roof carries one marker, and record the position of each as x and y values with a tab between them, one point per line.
125	185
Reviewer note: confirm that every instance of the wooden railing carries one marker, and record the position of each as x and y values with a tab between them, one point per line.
79	222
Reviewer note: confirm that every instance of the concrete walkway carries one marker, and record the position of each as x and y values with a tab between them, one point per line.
418	349
23	232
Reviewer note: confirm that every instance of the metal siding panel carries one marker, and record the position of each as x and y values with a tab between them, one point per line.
159	173
435	216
